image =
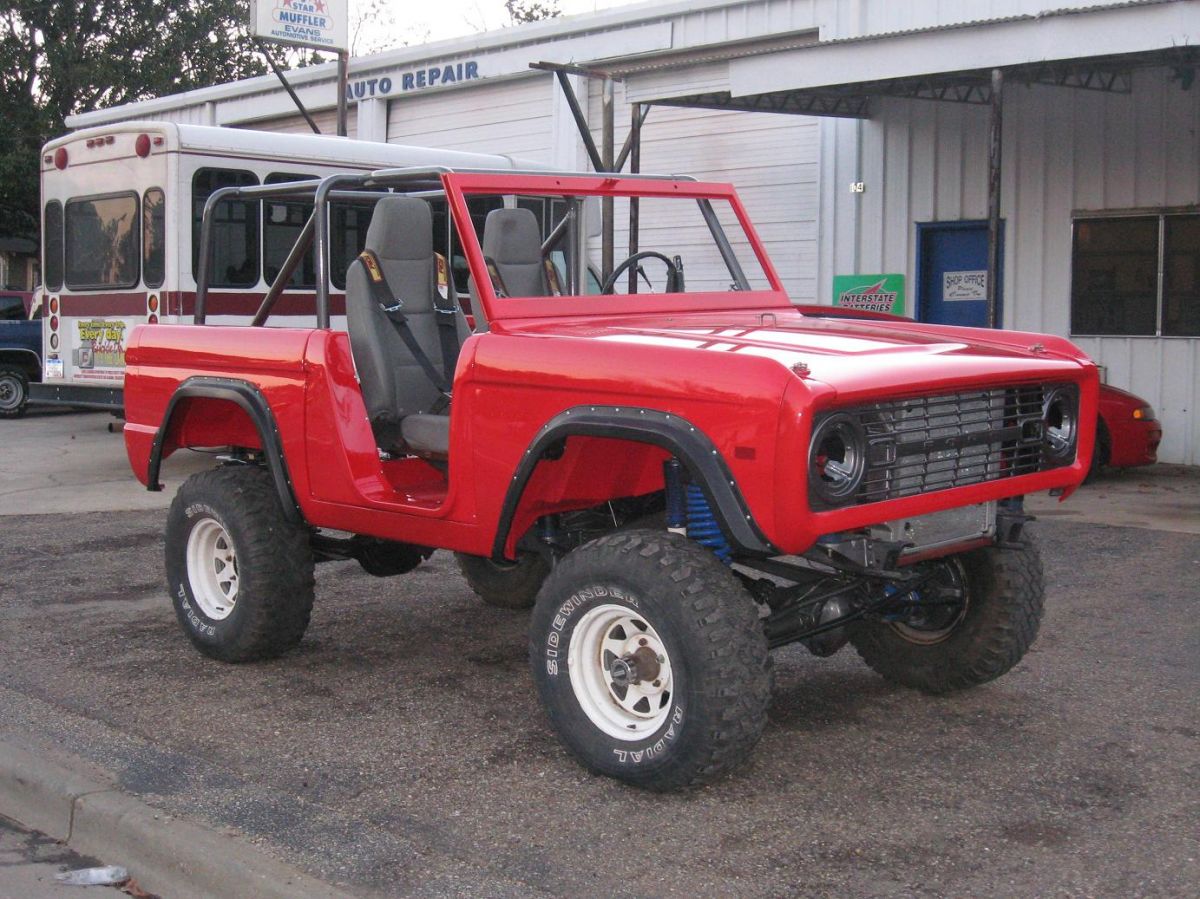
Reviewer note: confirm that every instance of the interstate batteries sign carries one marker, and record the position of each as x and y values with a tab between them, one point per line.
304	23
872	293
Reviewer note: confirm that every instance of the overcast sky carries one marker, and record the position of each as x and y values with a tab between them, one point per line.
410	22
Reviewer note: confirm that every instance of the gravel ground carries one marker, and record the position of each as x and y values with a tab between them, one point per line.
401	749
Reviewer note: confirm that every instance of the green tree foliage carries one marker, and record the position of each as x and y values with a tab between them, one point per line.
59	57
521	11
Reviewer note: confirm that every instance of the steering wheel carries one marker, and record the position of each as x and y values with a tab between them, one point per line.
674	271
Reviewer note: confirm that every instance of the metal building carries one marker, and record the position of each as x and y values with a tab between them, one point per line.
873	138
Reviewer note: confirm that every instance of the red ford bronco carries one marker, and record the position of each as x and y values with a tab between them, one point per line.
640	437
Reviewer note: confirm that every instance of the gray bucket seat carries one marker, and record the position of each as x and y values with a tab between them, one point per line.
512	241
398	394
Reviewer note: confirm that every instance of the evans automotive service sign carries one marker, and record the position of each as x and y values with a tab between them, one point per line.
304	23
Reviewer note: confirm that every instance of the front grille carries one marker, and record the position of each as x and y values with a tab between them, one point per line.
940	442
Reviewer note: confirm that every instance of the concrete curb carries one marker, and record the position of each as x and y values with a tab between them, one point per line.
167	855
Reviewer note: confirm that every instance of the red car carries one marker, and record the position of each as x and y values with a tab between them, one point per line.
678	474
1127	431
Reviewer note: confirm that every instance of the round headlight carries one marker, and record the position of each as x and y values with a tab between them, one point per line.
837	459
1060	418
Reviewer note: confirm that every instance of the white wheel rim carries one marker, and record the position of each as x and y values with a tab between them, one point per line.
212	569
626	711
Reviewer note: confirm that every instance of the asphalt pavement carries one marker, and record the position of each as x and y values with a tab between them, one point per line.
401	750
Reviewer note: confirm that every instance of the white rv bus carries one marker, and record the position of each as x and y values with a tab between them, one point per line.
121	212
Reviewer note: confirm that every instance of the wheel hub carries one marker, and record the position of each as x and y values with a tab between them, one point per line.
642	665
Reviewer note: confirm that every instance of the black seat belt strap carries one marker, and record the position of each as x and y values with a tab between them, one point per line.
391	305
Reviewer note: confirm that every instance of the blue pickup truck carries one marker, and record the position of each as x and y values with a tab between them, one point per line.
20	352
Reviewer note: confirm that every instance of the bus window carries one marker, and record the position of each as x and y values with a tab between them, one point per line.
283	220
234	230
348	237
154	238
102	242
52	237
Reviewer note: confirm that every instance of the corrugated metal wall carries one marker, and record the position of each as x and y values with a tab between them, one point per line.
1065	151
511	117
771	159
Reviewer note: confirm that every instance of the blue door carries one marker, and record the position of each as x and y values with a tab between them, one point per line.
952	273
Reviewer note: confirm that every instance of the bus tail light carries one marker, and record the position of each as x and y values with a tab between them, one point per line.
54	341
54	305
54	323
152	303
60	158
152	320
142	145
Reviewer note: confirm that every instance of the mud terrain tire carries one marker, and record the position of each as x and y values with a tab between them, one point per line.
512	586
240	574
1004	593
671	609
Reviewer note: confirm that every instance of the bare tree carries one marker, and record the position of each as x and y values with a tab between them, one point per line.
521	11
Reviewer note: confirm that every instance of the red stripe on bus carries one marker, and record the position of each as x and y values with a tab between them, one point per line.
228	303
176	302
111	304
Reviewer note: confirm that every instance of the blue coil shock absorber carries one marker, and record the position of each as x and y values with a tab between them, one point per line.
702	525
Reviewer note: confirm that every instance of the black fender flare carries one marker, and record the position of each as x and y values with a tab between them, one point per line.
251	401
670	432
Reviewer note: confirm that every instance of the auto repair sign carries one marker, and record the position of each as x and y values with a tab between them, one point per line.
302	23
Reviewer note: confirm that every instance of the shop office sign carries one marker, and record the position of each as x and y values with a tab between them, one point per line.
303	23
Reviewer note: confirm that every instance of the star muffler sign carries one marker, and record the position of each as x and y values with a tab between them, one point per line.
303	23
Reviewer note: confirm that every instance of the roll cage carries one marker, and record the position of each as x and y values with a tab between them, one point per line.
453	185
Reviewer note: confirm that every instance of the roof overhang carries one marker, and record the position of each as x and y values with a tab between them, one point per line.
1092	48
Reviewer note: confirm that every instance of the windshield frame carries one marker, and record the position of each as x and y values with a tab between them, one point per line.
459	185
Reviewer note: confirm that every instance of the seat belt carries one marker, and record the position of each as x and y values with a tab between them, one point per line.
391	305
445	307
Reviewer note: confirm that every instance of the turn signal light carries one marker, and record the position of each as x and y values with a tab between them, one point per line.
1144	413
54	304
152	303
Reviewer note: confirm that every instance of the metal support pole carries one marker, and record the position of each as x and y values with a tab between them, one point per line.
343	77
995	141
635	133
287	87
580	120
634	148
294	259
607	142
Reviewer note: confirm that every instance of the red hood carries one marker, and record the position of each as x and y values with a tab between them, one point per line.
849	355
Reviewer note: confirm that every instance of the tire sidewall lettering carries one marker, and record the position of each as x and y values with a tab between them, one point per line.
205	628
555	645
